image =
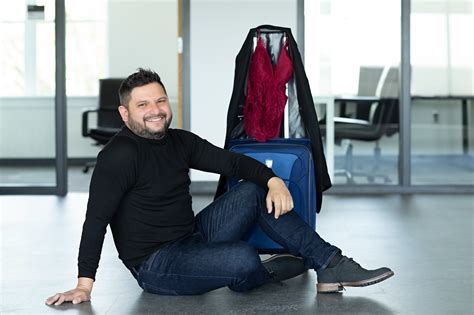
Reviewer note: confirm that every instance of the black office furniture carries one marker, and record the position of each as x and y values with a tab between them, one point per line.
109	121
374	114
377	124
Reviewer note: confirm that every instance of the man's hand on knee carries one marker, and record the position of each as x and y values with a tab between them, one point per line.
278	198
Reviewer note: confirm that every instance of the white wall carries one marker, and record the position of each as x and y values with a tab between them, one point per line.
140	33
218	30
442	81
143	33
27	127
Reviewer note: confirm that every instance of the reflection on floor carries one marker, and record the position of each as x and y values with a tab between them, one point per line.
427	240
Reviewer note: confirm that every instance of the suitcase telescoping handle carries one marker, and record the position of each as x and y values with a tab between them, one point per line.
286	118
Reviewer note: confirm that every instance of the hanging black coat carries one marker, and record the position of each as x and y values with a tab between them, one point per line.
306	119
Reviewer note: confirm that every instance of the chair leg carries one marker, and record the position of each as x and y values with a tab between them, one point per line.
88	165
377	155
375	168
349	164
347	171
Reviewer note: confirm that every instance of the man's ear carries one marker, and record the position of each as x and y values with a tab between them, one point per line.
123	113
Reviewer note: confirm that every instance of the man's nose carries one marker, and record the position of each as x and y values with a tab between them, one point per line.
156	108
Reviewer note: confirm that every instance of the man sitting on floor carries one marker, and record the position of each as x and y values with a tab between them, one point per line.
140	186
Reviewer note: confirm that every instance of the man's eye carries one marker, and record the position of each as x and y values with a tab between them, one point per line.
141	105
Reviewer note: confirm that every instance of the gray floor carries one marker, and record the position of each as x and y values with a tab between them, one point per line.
427	240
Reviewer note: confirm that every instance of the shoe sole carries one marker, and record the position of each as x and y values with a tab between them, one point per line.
337	287
277	256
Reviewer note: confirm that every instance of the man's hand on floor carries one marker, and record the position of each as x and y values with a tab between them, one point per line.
278	198
82	293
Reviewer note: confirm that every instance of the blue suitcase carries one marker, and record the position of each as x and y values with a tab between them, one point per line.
292	161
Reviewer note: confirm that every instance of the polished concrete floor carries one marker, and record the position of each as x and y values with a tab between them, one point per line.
426	239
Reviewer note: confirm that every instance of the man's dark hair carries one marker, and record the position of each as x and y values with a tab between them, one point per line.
140	78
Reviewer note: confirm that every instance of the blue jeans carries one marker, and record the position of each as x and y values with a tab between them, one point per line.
214	255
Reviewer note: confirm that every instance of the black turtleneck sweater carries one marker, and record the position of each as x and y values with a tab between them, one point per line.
141	188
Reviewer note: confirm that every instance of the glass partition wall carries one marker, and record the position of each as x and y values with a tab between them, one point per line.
352	57
108	40
99	40
29	98
353	60
442	93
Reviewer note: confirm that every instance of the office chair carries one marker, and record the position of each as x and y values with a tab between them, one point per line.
369	78
373	118
109	121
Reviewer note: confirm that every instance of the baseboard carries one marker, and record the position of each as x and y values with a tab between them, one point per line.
43	162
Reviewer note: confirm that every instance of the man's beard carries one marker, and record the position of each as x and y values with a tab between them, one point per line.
143	131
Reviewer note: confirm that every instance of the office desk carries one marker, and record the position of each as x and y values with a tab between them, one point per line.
329	102
464	112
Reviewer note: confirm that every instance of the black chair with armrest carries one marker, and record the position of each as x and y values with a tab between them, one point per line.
371	129
373	117
109	121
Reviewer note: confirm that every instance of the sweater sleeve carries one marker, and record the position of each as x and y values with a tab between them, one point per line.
207	157
114	174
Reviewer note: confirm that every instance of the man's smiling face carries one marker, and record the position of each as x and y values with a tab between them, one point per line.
148	113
